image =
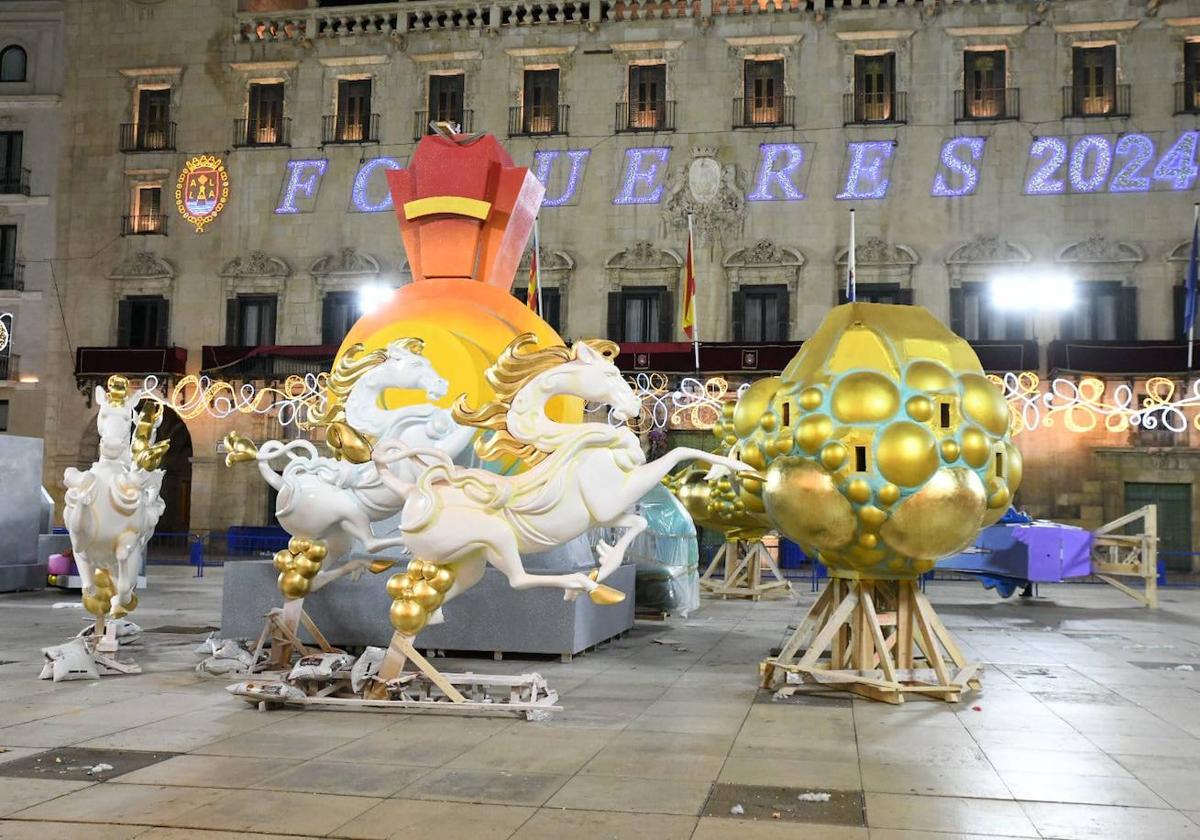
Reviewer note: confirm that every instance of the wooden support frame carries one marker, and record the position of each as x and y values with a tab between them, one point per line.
1129	556
743	563
281	630
880	639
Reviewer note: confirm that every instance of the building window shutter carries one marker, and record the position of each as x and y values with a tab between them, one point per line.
328	314
616	317
124	322
1180	298
666	315
904	296
269	310
231	321
957	311
784	306
550	305
739	315
1128	323
162	322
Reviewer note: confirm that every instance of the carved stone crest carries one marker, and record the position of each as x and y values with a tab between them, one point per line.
713	194
345	261
1098	249
987	249
876	251
143	265
255	264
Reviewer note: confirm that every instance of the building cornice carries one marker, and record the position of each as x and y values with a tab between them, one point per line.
138	72
533	52
986	31
262	66
33	100
639	46
1097	26
351	60
762	40
876	35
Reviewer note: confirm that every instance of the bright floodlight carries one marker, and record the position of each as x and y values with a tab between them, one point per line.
372	297
1047	291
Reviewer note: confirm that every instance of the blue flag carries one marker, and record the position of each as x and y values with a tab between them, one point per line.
1189	310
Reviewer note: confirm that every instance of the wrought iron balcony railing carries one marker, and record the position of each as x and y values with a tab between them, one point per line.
464	118
1187	97
99	362
982	104
9	366
144	224
336	129
1103	101
267	362
258	132
14	181
645	115
764	112
538	121
873	108
12	276
148	137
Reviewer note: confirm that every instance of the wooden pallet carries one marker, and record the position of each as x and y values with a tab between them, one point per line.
743	563
884	641
1129	556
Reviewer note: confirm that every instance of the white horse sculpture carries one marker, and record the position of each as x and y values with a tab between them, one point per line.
584	475
111	509
336	500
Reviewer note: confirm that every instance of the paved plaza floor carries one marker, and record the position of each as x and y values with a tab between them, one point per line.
1088	726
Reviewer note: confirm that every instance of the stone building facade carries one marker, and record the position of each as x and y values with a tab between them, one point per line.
972	140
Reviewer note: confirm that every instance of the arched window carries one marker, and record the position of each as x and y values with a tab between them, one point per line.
12	64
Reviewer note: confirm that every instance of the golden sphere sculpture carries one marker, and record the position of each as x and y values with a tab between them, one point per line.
417	593
297	565
884	446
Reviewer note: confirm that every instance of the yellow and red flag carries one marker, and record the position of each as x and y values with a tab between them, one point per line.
689	290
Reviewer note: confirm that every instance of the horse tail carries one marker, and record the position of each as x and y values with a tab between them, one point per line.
273	449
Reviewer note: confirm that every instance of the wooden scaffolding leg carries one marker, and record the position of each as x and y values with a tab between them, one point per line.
400	651
744	564
842	644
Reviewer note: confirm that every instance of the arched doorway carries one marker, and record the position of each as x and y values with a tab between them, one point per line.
177	483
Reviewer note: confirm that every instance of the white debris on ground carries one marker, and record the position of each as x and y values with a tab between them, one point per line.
67	605
663	640
737	810
99	768
127	632
815	796
223	656
1185	667
70	661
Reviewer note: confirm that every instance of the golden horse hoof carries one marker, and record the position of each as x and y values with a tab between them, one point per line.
239	449
380	566
606	596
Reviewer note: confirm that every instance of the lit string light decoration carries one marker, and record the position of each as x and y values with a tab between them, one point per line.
654	158
1084	406
360	192
965	172
867	172
1052	153
303	179
1096	148
193	395
543	168
6	320
1133	152
783	178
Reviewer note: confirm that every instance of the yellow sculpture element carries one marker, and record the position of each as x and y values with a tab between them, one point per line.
146	454
239	449
885	447
417	593
297	565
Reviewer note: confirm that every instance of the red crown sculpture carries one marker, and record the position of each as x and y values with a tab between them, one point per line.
465	211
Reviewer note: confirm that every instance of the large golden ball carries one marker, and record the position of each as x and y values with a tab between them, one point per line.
753	404
317	551
299	545
282	560
307	567
813	431
983	403
96	605
940	518
803	501
396	585
408	617
102	580
865	398
293	585
907	454
425	595
442	579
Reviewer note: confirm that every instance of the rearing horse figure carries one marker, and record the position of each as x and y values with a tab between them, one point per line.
584	475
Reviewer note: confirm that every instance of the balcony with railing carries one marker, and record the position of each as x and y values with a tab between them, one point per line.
257	133
985	104
764	112
14	181
9	367
153	137
270	363
1119	358
538	121
1187	97
645	115
144	224
100	362
423	121
1095	101
336	130
881	108
12	276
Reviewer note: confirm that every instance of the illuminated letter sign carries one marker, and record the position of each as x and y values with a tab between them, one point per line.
543	169
778	168
958	174
647	178
1091	159
360	194
202	190
867	169
303	179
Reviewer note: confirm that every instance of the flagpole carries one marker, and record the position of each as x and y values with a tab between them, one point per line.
695	311
1191	303
851	284
537	263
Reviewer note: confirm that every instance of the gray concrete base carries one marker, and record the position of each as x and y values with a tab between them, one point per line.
21	513
490	617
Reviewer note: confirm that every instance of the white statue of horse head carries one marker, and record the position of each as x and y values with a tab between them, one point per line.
403	368
115	424
595	378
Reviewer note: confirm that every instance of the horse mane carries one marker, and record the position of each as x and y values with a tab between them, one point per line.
516	368
350	368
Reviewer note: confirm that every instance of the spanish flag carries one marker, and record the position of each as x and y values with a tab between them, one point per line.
689	294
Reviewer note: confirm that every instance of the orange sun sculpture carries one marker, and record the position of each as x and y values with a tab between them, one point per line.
466	213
